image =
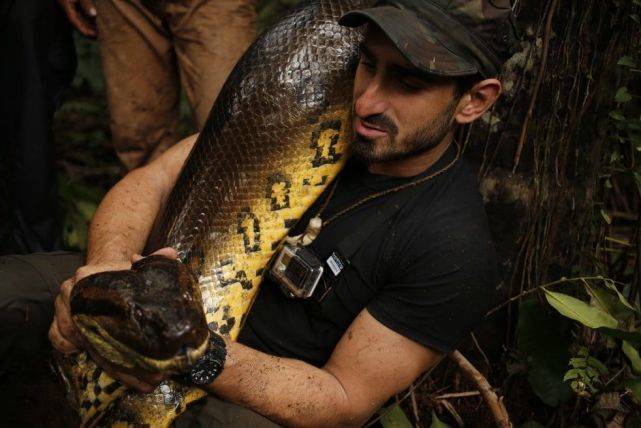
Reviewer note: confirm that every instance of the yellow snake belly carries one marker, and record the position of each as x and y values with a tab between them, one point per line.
276	136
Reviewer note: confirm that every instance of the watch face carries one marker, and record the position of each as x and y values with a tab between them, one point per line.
204	372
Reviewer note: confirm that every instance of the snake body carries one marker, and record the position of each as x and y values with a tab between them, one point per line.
275	138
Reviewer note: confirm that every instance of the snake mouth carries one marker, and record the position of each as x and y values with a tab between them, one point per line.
122	355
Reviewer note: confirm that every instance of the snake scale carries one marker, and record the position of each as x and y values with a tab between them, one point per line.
276	136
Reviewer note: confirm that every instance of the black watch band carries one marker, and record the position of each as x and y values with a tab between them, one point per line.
209	366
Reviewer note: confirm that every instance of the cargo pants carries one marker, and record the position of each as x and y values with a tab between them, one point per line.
28	286
150	49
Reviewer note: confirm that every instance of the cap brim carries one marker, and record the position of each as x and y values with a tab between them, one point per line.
420	44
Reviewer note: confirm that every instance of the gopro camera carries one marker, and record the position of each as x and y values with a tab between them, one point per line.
297	270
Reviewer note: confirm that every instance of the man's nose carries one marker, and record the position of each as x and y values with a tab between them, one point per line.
371	101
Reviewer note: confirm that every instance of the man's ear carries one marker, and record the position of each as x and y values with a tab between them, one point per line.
477	100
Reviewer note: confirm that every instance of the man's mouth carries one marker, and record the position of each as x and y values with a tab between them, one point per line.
367	130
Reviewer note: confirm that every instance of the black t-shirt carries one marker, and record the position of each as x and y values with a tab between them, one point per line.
427	272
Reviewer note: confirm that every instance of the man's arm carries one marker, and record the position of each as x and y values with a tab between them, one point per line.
369	364
124	219
119	230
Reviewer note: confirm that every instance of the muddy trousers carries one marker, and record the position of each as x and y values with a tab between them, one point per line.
150	49
28	286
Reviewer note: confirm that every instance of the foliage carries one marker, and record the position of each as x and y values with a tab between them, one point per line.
585	375
605	368
393	417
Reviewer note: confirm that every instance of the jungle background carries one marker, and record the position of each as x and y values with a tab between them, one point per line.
559	166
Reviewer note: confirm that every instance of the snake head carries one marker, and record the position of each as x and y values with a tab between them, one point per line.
149	317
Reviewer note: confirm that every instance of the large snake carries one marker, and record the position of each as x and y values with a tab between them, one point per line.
275	138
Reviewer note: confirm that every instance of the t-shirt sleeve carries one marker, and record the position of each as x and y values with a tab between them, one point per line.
441	284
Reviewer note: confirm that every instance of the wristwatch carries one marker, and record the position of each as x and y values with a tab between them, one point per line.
209	366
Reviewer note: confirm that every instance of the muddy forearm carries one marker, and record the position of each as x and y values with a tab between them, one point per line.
287	391
124	218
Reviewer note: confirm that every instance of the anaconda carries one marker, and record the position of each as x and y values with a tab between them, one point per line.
276	136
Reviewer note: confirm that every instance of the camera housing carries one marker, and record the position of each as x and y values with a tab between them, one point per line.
297	270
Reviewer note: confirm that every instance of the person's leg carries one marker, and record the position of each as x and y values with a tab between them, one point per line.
28	286
210	36
38	64
142	83
212	412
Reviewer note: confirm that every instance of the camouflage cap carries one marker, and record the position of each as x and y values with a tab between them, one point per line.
445	37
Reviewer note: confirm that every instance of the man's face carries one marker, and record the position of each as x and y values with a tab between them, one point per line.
398	112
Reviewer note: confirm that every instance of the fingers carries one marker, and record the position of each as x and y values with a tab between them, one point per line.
84	271
65	291
167	252
78	18
58	341
63	333
65	324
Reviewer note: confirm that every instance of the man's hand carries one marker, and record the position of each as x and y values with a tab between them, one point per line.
82	14
65	337
140	380
63	334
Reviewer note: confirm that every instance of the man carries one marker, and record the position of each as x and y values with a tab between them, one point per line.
149	51
38	63
419	282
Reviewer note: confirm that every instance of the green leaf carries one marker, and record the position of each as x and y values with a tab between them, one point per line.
617	115
394	417
606	217
633	356
437	423
591	372
630	336
579	363
571	374
634	385
622	95
593	362
607	301
579	311
627	61
621	297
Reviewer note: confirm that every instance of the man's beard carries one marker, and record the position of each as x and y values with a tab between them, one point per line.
421	140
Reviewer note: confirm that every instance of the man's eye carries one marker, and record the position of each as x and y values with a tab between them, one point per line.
411	84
